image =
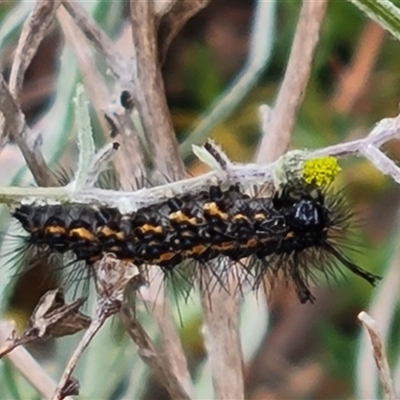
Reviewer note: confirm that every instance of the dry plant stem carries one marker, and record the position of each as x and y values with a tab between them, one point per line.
128	161
149	92
277	124
11	343
27	366
94	82
352	82
33	32
99	95
291	93
221	338
162	7
221	312
174	357
156	120
156	361
379	355
100	40
382	310
174	20
22	135
104	310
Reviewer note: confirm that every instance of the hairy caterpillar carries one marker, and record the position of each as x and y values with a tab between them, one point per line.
297	231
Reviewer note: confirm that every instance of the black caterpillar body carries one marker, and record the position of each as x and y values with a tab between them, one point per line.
293	231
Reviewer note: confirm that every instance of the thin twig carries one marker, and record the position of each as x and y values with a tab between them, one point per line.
20	132
379	355
277	136
261	41
149	92
27	366
105	309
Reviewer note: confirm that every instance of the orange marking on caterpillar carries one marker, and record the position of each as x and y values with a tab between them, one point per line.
83	233
54	229
150	228
213	209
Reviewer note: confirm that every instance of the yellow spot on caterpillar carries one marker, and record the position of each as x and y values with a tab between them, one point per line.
320	171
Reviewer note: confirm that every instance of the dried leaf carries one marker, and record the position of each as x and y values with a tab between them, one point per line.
52	317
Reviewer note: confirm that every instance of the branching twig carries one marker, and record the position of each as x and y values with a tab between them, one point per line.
27	366
244	174
379	355
105	309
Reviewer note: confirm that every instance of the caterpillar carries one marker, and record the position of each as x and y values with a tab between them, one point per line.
297	230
